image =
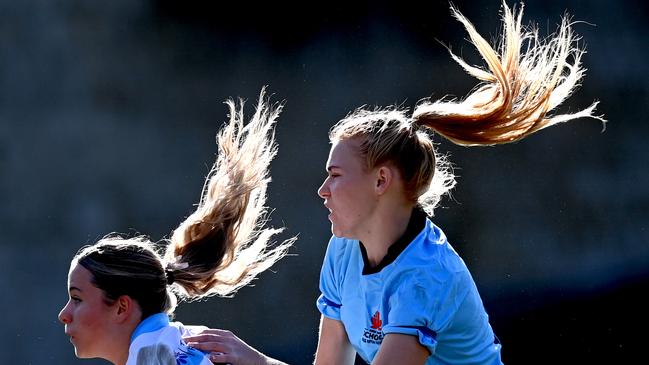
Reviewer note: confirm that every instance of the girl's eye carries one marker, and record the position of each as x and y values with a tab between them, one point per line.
75	299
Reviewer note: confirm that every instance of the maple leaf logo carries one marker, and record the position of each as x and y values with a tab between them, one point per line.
376	321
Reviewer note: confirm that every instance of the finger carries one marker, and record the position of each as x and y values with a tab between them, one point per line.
214	331
221	358
204	338
209	346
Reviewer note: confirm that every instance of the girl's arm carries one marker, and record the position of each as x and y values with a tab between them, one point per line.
401	349
333	345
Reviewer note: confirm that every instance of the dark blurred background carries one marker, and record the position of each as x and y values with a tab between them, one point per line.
108	112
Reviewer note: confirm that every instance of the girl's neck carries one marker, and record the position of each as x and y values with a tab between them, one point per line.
385	230
122	335
122	359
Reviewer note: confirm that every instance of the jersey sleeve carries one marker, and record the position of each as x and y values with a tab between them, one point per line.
329	301
423	307
410	314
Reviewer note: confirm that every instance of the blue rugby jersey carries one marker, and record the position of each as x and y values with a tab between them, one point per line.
427	292
157	329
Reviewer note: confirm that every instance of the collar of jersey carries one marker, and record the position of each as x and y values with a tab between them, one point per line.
150	324
415	226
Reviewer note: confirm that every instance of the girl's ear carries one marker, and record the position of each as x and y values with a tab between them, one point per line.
125	308
384	178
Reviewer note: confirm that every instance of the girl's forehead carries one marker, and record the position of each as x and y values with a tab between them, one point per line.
349	146
79	277
344	152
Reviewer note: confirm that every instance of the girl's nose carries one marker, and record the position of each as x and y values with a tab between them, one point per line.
323	190
64	315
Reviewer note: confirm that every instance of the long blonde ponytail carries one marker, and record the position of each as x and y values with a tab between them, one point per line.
528	79
222	246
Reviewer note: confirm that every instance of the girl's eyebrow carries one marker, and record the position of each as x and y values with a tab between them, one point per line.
74	288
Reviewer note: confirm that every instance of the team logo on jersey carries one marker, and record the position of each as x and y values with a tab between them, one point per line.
376	321
374	334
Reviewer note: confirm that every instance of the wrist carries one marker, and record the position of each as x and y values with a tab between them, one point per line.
266	360
263	359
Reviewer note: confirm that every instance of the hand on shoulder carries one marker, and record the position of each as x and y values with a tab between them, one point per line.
226	348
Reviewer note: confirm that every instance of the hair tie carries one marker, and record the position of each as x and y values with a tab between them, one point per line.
174	266
169	274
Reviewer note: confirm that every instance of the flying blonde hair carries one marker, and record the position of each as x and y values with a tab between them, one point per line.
230	216
523	82
221	246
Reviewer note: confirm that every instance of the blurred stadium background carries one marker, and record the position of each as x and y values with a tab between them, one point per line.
108	112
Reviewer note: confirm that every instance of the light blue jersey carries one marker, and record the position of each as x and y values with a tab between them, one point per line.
156	330
426	291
